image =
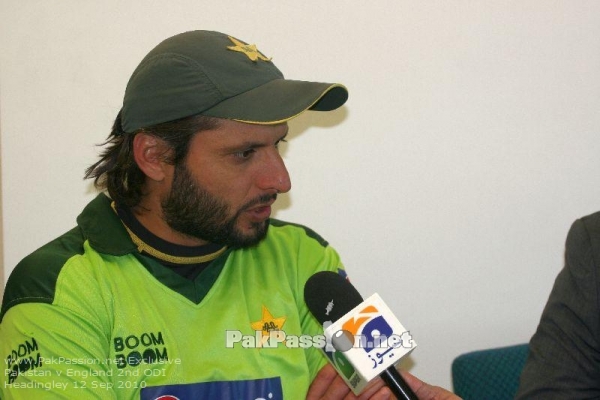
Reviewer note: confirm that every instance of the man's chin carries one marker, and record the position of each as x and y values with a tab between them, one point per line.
250	235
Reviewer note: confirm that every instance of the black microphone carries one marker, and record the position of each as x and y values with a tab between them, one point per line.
329	296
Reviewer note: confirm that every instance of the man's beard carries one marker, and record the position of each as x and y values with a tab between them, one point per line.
190	209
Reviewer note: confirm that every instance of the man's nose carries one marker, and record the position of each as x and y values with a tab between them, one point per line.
274	175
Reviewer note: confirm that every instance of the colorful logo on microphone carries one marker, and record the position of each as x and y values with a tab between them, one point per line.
370	327
371	339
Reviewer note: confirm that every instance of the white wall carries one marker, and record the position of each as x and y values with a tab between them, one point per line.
448	183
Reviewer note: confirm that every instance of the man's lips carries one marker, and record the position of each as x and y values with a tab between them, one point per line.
261	212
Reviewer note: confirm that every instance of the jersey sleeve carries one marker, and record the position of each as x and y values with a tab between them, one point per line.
58	348
564	359
52	350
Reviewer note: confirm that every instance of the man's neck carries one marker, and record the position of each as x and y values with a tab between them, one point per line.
151	217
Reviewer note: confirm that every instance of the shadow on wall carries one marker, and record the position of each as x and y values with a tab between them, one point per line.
300	125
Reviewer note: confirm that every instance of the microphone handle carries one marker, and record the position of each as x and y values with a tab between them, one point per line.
396	383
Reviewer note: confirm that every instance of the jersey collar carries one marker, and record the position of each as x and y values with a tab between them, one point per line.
103	228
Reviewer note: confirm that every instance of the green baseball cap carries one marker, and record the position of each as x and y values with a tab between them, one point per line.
213	74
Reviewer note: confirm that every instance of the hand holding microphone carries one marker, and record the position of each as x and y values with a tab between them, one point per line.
330	297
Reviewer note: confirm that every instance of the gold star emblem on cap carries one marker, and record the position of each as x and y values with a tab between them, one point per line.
248	49
268	322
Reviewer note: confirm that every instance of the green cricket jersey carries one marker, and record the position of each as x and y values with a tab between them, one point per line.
89	316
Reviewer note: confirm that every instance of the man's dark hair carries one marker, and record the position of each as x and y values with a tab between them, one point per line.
118	173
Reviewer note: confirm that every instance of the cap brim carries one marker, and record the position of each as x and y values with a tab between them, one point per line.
279	101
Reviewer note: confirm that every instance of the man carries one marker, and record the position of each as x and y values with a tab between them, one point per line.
564	358
169	285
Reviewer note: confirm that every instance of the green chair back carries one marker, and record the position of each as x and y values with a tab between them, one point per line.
491	374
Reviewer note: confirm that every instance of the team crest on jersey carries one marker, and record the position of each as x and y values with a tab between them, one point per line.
268	323
254	389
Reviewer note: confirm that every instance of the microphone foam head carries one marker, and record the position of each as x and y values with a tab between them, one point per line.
329	296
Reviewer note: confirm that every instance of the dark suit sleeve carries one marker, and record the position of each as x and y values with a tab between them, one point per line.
564	359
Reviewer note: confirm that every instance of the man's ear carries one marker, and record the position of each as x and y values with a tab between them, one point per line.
149	154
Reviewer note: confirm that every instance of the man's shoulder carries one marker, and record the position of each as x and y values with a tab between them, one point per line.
34	278
296	231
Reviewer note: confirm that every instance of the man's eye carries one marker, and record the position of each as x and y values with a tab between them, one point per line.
245	154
